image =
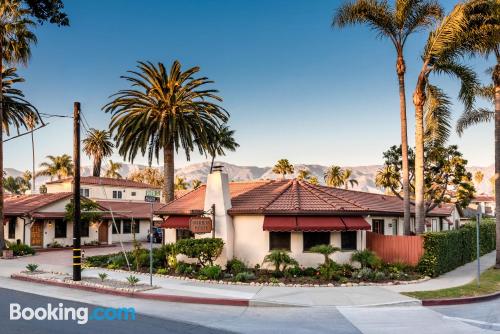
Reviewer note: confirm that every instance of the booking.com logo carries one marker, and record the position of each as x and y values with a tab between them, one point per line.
81	314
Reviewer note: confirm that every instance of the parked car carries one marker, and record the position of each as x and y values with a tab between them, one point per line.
157	235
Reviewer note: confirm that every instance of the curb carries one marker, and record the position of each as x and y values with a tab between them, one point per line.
140	295
460	301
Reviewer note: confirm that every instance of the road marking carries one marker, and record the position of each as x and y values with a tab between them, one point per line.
472	321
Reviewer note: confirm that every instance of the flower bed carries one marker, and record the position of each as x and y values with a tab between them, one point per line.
369	269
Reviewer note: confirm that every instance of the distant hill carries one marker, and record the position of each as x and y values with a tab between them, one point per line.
365	175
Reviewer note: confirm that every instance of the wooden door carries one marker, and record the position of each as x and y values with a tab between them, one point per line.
103	233
37	234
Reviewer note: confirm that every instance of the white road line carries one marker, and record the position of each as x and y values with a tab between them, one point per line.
476	322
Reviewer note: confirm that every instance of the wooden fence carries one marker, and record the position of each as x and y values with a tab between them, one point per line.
395	248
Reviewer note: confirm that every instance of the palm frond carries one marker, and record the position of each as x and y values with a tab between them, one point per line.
437	116
474	117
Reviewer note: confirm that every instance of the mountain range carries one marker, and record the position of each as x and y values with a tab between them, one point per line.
365	175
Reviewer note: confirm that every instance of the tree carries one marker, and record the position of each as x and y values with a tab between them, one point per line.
97	145
334	176
47	10
396	24
16	185
313	180
58	166
478	177
303	175
220	141
326	251
283	167
444	47
180	183
113	170
446	177
346	176
164	111
148	175
195	184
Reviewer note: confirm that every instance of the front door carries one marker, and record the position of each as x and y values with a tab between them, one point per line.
37	234
103	233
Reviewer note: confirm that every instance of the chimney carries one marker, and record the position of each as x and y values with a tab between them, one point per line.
217	193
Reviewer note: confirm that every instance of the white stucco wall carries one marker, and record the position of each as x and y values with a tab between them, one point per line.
104	192
128	237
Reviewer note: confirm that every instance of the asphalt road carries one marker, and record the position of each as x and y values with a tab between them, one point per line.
484	315
142	324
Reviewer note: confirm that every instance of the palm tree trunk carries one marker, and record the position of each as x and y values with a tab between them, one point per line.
212	164
2	236
33	186
97	167
401	70
496	81
419	101
168	171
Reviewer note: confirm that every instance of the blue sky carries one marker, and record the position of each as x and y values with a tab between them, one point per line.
295	87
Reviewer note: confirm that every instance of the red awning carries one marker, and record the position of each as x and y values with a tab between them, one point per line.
319	224
280	223
356	223
180	222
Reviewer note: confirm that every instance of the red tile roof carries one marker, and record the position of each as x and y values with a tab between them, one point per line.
293	197
128	209
28	204
484	198
107	181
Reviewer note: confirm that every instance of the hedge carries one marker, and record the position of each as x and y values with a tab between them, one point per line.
445	251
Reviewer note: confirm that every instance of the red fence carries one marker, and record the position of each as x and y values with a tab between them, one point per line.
395	248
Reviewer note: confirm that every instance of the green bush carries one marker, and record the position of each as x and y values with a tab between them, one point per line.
367	259
118	260
244	276
445	251
328	270
21	249
364	274
162	271
281	260
325	250
184	268
98	260
161	254
210	272
235	266
294	271
205	250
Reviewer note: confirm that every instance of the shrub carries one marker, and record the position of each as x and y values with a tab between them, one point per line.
379	276
281	260
103	276
309	271
210	272
113	266
98	260
32	267
328	270
118	260
21	249
184	268
325	250
244	276
133	280
364	274
161	255
367	259
205	250
55	244
445	251
162	271
294	271
235	266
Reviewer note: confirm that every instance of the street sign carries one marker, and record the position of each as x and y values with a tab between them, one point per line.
200	224
151	199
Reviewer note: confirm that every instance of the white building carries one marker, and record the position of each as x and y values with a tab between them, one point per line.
258	216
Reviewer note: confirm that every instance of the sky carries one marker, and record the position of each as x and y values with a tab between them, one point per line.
295	87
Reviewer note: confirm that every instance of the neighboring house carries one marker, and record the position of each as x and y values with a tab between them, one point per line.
486	203
105	188
255	217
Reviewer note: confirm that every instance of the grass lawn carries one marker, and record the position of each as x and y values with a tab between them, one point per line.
490	283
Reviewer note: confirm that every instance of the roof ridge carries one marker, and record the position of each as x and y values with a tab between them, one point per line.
338	197
310	188
296	193
287	185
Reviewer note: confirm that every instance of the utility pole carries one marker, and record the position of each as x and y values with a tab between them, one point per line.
77	252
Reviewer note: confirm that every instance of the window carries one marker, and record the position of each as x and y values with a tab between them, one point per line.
118	228
434	226
12	228
117	194
378	226
133	193
85	192
312	239
60	228
279	240
395	223
127	227
84	229
136	224
183	234
349	240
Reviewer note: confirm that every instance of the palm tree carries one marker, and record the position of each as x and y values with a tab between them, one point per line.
113	170
97	145
346	175
148	175
58	166
220	141
196	183
31	122
441	54
389	179
283	167
396	24
180	183
313	180
334	176
478	177
303	175
15	40
164	110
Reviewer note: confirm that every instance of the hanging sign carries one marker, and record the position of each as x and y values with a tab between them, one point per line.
200	224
